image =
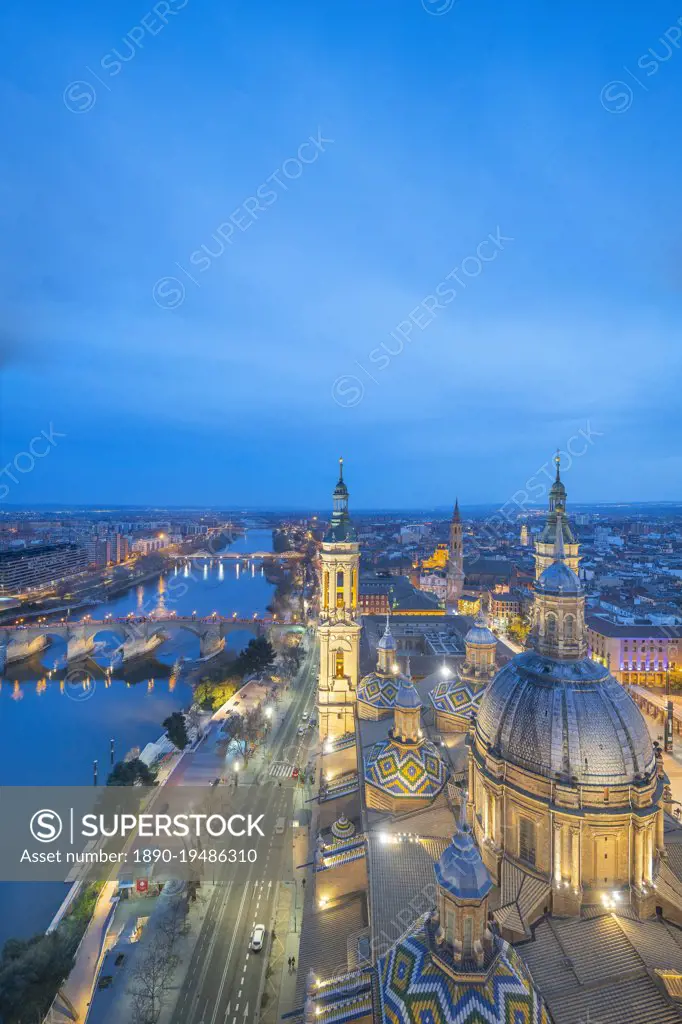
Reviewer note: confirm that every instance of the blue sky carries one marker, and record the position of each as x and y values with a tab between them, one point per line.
444	129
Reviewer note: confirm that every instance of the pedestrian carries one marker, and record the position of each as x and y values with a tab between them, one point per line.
289	962
293	962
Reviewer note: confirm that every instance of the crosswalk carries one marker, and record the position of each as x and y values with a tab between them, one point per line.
281	769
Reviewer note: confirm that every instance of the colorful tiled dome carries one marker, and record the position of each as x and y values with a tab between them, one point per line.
405	770
454	697
414	989
379	690
343	828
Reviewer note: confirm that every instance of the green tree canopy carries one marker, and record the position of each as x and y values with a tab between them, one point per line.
177	729
127	773
31	973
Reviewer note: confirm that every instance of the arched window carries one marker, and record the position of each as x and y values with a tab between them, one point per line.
338	664
550	625
340	602
569	627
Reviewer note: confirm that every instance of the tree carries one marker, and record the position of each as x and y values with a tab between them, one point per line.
177	730
258	655
153	970
31	972
130	773
519	628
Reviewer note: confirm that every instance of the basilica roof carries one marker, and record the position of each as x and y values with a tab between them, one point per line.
568	719
414	989
379	690
405	770
454	697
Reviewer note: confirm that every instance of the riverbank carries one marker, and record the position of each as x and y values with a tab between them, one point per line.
55	726
101	592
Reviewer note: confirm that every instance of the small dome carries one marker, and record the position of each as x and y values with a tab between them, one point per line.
557	578
565	719
343	828
454	697
479	635
387	643
379	690
412	771
461	871
407	696
415	989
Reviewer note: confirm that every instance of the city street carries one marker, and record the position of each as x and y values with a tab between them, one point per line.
224	978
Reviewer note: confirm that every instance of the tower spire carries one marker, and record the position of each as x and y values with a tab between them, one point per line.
557	459
341	470
455	513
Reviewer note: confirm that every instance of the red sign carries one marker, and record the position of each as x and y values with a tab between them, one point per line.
142	885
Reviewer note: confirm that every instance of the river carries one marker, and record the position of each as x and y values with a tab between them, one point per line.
52	731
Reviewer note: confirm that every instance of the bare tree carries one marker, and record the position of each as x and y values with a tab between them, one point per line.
153	969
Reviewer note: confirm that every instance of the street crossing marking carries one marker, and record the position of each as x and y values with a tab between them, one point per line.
281	769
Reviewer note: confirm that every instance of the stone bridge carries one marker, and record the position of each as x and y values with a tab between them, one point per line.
136	635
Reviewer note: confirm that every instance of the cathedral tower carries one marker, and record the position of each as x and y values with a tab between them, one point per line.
455	570
338	629
544	545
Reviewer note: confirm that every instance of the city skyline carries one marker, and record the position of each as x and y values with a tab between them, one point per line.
456	261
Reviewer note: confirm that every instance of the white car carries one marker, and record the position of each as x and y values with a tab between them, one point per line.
257	938
302	729
305	716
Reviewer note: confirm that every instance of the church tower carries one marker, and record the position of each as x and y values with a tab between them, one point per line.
338	629
455	570
544	545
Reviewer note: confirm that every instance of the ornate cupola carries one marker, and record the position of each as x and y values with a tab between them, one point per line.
340	527
544	545
408	709
378	690
386	649
406	770
480	645
559	613
463	938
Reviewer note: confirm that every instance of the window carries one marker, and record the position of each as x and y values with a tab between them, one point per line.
569	627
527	841
550	625
338	667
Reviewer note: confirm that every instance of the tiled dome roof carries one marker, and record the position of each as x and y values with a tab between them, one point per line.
568	719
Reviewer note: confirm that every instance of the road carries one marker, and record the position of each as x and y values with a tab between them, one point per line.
224	978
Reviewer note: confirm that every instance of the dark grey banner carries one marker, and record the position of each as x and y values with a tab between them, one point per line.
146	835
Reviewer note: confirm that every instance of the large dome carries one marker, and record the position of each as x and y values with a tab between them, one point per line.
565	719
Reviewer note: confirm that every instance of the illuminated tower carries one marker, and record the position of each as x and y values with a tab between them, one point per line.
544	545
338	628
455	571
525	541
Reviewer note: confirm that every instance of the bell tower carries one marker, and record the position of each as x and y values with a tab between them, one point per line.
455	569
338	629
